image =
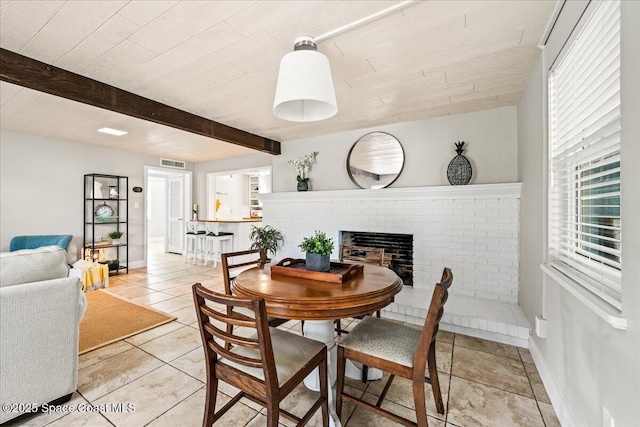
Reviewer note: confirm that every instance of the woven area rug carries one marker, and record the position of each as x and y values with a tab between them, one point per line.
110	318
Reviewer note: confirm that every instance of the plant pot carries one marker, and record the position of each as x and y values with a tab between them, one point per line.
317	262
115	241
303	186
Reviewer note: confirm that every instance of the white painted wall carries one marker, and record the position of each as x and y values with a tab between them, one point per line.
157	207
590	364
41	182
428	145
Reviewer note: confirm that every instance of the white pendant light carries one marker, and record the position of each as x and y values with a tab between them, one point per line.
305	90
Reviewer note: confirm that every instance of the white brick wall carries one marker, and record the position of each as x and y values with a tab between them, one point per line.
471	229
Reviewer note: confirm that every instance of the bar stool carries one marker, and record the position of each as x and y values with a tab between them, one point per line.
195	241
214	241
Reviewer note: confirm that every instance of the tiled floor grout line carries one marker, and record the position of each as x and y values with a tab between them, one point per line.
174	405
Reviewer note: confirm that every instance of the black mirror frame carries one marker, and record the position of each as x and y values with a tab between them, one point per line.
356	143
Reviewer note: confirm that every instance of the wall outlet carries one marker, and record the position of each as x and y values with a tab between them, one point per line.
541	327
607	419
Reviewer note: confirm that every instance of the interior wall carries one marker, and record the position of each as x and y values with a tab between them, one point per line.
492	149
592	365
157	207
256	160
41	184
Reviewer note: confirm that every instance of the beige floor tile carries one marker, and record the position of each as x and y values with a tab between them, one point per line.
103	377
102	353
176	274
152	394
174	344
151	298
135	292
444	353
154	333
364	418
187	315
474	405
487	346
192	364
171	305
401	392
149	280
179	290
525	355
496	371
260	420
536	383
445	336
548	415
166	284
82	419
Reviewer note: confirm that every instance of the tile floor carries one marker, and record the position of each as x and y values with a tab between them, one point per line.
162	373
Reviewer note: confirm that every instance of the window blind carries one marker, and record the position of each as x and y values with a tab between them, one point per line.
584	138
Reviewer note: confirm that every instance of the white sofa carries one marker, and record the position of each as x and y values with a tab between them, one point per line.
40	311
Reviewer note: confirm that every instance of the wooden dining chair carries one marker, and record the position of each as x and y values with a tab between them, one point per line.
266	366
363	254
230	270
400	350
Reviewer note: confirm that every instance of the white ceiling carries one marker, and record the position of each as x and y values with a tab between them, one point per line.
219	60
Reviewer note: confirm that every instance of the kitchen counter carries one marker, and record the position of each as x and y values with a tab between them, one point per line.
231	221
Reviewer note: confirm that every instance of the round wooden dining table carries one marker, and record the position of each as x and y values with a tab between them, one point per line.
319	303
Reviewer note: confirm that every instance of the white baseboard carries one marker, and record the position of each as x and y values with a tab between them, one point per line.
562	411
137	264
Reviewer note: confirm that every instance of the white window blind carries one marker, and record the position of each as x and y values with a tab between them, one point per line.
584	137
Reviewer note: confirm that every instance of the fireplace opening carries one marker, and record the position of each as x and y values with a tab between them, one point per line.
398	249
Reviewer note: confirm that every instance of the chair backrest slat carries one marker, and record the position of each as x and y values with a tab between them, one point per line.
230	338
229	341
227	264
235	319
237	358
432	321
376	257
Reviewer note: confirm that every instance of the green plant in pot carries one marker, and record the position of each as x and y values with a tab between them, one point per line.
318	249
115	237
267	238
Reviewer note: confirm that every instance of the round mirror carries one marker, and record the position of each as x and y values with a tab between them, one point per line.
375	160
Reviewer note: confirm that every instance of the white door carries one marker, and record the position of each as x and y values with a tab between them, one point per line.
175	206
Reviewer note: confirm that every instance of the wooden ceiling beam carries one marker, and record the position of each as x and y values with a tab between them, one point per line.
30	73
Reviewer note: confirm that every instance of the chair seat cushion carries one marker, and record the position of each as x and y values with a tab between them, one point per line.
291	352
384	339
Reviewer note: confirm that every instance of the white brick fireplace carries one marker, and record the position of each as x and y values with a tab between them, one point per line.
472	229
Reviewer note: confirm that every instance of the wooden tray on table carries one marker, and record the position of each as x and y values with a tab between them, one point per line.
339	272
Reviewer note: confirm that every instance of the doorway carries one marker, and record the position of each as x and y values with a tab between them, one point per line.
167	207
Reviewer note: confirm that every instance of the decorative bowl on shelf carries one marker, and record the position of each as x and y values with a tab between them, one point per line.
107	218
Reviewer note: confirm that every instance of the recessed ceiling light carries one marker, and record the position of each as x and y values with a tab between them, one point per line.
110	131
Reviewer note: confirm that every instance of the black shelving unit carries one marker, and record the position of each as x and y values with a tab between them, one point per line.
94	229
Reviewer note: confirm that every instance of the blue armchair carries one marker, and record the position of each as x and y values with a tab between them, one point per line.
34	242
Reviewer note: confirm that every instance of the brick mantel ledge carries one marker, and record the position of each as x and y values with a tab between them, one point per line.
442	192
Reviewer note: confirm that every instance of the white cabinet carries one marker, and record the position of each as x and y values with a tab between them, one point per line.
254	191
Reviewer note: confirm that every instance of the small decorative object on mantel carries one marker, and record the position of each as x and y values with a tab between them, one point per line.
302	167
459	171
318	249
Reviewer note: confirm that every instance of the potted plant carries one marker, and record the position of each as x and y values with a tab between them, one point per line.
267	238
115	237
318	249
302	167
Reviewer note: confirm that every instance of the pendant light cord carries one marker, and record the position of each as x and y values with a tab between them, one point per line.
364	20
